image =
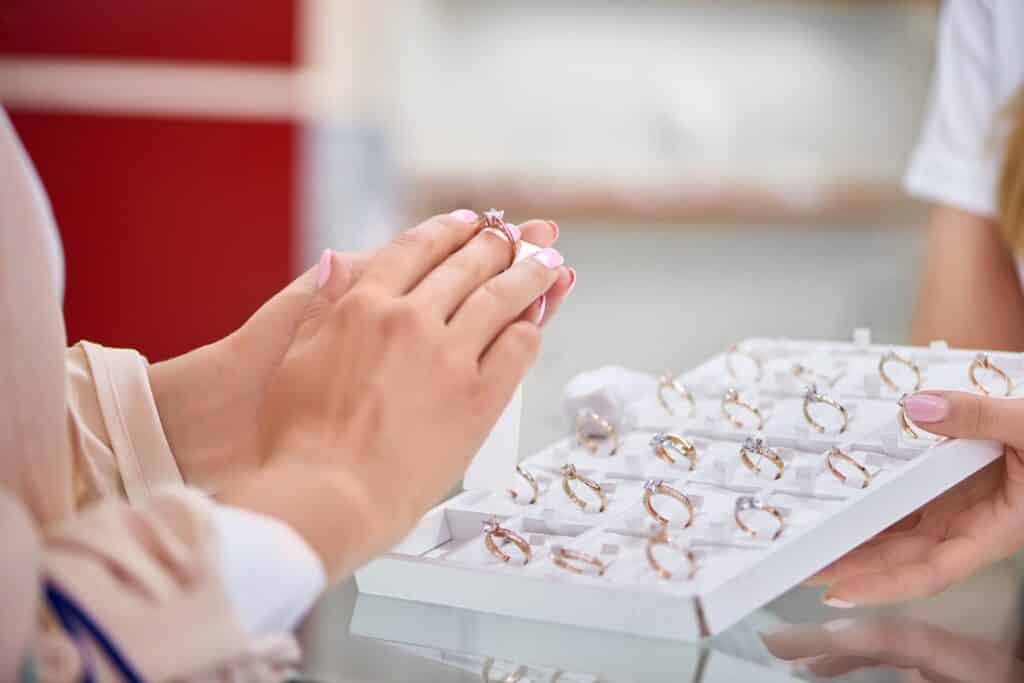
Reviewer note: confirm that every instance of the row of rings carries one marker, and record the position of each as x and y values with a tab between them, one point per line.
981	361
579	562
732	399
752	453
757	447
573	560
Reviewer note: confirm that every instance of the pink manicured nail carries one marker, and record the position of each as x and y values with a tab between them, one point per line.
516	232
323	268
543	302
465	215
572	281
549	257
839	604
925	408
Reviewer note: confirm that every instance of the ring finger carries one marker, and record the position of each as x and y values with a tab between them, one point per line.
485	256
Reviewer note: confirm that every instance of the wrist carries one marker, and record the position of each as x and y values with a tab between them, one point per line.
195	395
330	510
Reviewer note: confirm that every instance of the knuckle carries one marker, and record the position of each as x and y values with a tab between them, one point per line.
977	419
363	303
419	238
399	317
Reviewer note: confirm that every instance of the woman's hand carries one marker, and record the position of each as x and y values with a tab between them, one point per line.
972	525
210	399
392	384
838	647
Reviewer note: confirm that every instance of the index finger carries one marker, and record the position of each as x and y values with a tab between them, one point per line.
408	258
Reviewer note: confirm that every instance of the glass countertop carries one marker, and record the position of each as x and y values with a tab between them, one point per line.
969	633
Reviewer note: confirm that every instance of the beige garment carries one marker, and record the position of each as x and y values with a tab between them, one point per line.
90	493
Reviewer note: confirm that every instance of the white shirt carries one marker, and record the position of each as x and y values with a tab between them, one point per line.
979	67
271	575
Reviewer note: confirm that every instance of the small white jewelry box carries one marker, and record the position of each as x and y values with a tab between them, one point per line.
444	560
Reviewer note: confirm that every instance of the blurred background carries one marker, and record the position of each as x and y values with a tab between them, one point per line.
719	168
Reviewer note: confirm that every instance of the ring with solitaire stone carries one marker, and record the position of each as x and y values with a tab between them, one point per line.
664	442
811	396
493	532
661	540
667	383
892	357
732	398
659	488
493	221
747	503
983	361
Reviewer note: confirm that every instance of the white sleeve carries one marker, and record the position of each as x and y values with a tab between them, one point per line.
271	575
957	157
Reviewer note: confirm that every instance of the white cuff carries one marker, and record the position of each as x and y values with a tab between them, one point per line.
271	575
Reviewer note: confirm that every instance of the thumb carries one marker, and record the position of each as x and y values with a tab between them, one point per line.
964	415
333	277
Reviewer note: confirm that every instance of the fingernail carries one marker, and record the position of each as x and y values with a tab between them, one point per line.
572	281
924	408
549	257
837	625
516	232
543	304
465	215
554	226
839	604
323	268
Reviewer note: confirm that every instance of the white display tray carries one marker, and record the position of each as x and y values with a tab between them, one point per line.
443	560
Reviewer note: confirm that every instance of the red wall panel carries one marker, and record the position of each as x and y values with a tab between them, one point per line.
238	31
175	230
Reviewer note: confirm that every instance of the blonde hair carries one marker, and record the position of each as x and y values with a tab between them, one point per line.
1011	178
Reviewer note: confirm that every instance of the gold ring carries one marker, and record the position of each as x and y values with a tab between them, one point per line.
835	454
984	362
514	677
564	558
732	397
904	422
588	441
493	532
744	503
755	359
660	538
667	383
494	221
892	357
653	488
662	442
569	475
531	480
760	448
811	395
